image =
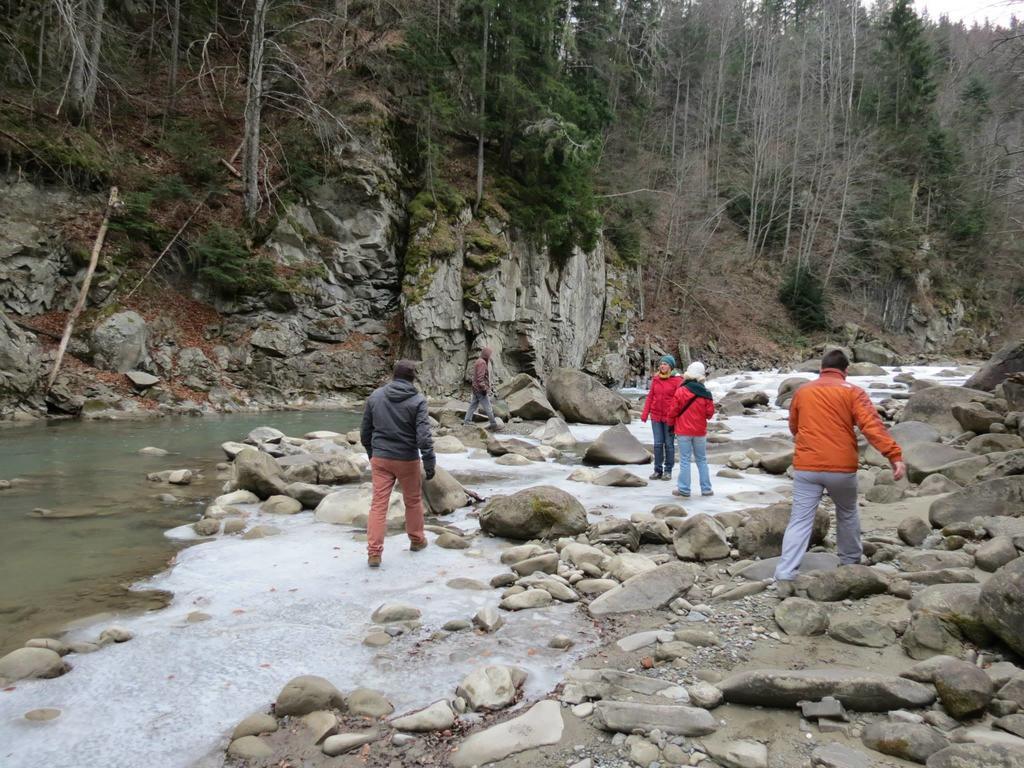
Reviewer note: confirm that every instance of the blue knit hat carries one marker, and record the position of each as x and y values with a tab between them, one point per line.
670	360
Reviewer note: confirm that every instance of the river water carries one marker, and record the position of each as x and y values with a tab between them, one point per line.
297	603
108	518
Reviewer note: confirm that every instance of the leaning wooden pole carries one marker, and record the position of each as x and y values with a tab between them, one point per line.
112	203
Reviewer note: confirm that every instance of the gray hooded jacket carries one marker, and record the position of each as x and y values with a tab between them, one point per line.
396	425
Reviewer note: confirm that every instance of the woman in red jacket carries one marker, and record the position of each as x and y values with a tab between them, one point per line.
658	405
692	406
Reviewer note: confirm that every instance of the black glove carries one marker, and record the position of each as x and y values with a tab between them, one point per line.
428	470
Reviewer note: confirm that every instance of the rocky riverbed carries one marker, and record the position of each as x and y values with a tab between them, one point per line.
580	616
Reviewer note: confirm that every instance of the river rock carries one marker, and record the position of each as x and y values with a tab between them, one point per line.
530	403
250	748
619	477
491	688
1001	604
119	342
739	754
512	460
261	532
934	560
583	554
488	619
676	719
390	613
986	444
448	444
616	446
976	417
236	497
963	689
539	512
365	702
1007	360
541	725
307	494
936	484
862	631
305	694
281	505
847	582
439	716
351	506
531	598
626	565
320	725
839	756
1011	724
616	533
645	592
208	526
443	494
449	540
701	537
907	741
555	433
545	563
976	756
265	435
995	553
992	498
928	635
581	398
341	743
761	531
957	604
933	406
24	663
801	617
913	531
924	459
258	472
254	725
809	563
859	691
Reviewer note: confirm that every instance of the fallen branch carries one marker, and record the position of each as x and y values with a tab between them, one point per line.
113	203
40	331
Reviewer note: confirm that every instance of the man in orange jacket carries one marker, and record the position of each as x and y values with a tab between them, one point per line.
822	417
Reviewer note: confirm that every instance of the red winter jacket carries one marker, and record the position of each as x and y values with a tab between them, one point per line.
658	403
693	421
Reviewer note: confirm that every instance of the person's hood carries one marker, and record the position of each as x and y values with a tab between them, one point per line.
486	353
398	390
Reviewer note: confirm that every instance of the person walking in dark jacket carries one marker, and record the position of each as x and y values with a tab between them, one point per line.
396	434
482	388
658	406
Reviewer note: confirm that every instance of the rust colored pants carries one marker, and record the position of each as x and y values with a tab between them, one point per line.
385	473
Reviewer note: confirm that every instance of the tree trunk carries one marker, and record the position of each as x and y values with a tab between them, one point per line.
175	42
482	116
112	203
253	109
86	31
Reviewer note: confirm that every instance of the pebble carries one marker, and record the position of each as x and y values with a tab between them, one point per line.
586	709
42	715
377	639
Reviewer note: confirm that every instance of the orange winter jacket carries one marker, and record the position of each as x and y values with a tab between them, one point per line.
821	418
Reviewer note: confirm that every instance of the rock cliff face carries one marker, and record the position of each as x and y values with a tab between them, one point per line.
371	274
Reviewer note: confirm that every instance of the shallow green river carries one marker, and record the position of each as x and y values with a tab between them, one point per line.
108	523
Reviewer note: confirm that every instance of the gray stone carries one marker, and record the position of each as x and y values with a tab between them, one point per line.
760	533
581	398
257	472
320	724
141	380
862	631
530	403
1007	360
545	563
907	741
619	477
963	689
913	531
439	716
346	742
540	726
676	719
976	756
934	560
645	592
250	748
859	691
307	693
933	406
936	484
119	342
254	725
281	505
801	617
491	688
443	494
992	498
307	494
531	598
365	702
976	417
847	582
538	512
488	619
986	444
1011	724
24	663
1001	604
739	754
811	562
995	553
616	445
839	756
924	459
701	537
389	613
928	635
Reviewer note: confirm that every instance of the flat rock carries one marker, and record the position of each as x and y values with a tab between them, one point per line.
811	562
439	716
389	613
907	741
1003	496
254	725
491	688
847	582
976	756
859	691
540	726
677	719
645	592
619	477
802	617
341	743
616	445
862	631
640	640
742	753
839	756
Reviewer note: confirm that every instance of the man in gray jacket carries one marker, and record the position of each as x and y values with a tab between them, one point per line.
396	433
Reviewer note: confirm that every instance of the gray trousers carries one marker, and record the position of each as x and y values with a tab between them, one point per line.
807	490
480	399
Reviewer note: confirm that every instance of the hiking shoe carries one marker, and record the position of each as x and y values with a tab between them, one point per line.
656	476
677	492
707	493
373	561
494	427
665	476
418	546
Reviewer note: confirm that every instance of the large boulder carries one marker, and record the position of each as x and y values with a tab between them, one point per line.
956	604
857	690
555	433
516	383
258	472
701	537
616	446
934	406
847	582
443	494
530	403
925	459
964	689
787	389
975	417
305	694
1008	360
491	688
760	533
1001	604
909	432
534	513
19	364
119	342
584	399
1003	496
915	742
645	592
352	507
873	352
976	756
25	663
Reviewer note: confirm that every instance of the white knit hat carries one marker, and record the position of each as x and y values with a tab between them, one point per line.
695	371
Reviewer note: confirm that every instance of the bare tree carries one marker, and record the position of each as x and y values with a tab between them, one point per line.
253	110
83	21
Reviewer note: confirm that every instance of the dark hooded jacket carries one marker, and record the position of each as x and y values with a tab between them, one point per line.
482	372
396	424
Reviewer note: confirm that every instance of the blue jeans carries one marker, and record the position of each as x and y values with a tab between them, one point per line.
698	447
664	447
